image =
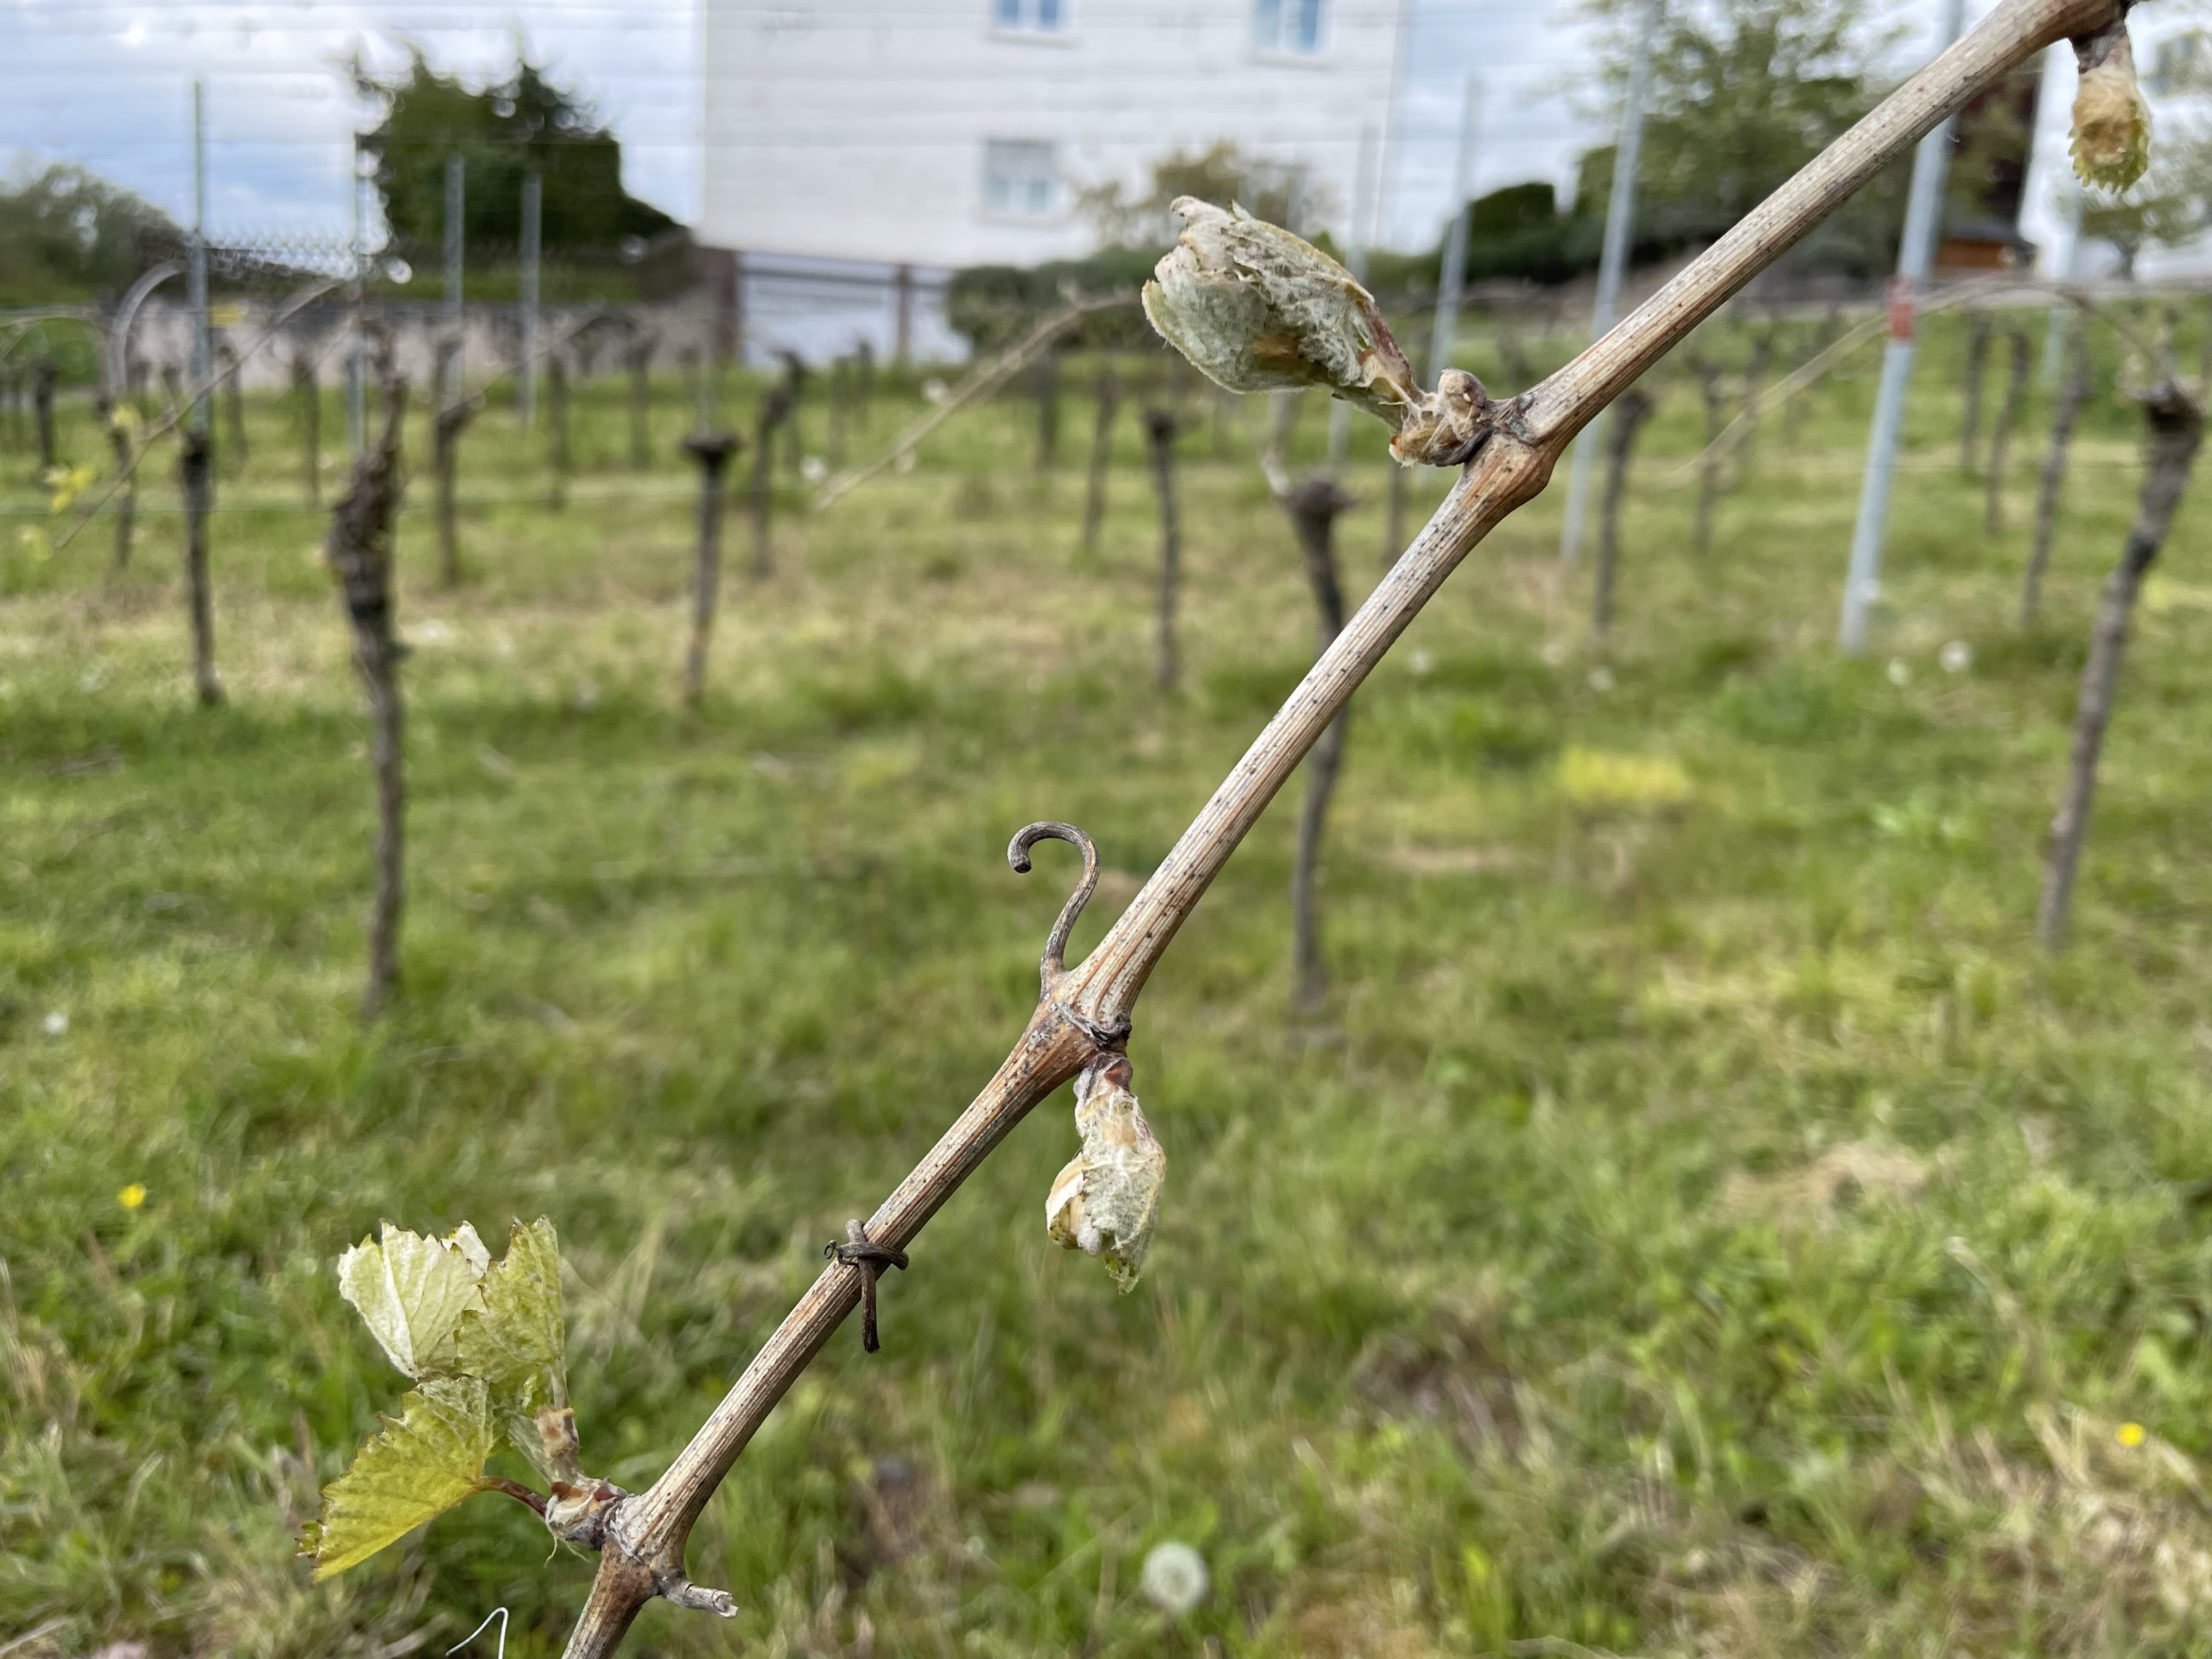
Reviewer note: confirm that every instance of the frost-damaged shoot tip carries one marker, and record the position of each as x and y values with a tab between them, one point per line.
1105	1201
1255	309
2112	124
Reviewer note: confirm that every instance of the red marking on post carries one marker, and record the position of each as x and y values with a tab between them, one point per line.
1899	298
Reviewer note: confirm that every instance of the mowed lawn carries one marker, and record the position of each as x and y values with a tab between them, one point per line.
1702	1222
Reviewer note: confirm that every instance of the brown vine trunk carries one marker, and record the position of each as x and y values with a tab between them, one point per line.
695	389
445	451
310	395
775	408
712	451
42	380
2052	474
1795	403
841	398
234	409
1711	388
794	393
2176	427
1755	369
195	471
2000	436
1044	386
445	428
126	495
556	430
359	551
1314	507
1629	411
1979	325
1102	456
639	361
1160	426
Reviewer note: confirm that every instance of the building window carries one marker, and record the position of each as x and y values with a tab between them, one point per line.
1030	16
1287	28
1020	179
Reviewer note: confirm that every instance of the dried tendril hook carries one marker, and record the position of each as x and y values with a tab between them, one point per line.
1052	964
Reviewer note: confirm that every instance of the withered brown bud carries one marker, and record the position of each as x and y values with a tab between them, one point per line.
1255	309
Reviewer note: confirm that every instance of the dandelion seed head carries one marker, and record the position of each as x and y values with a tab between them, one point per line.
1175	1577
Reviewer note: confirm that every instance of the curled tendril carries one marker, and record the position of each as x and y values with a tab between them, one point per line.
1053	962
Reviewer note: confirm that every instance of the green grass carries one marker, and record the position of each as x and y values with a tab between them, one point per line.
1710	1228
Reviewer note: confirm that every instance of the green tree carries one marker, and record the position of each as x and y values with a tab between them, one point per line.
67	234
1743	94
1221	173
502	131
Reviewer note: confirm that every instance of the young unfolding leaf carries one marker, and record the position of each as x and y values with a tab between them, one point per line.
411	1291
514	1340
2112	124
418	1467
1105	1201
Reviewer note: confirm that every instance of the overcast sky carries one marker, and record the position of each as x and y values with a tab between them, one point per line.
106	83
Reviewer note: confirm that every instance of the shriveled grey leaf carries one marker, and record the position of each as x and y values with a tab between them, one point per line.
1255	309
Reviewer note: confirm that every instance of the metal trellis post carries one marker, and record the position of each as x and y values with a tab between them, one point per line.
1923	213
1612	263
196	269
1363	213
1454	275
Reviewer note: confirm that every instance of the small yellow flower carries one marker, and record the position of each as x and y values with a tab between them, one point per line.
135	1194
2130	1435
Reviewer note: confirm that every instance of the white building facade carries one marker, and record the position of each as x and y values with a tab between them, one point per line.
842	137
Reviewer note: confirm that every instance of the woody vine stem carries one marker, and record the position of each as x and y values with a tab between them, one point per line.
1083	1014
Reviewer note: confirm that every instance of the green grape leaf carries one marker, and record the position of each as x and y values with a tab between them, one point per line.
411	1291
417	1468
515	1339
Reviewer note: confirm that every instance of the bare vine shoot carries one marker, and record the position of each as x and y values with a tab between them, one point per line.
1681	1130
